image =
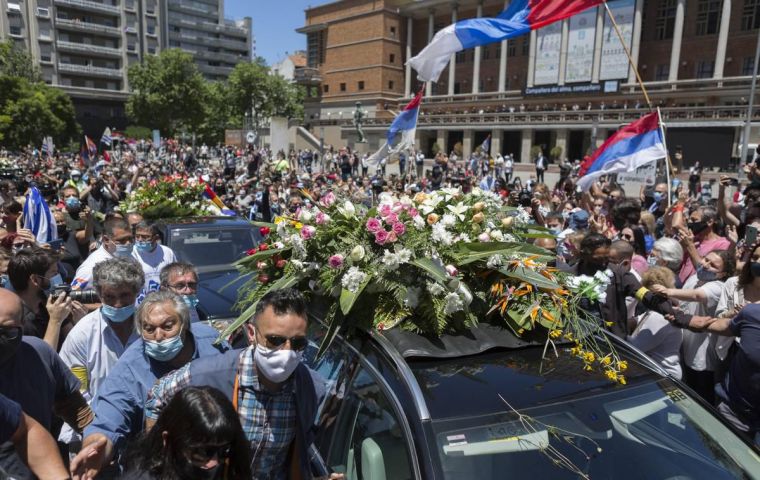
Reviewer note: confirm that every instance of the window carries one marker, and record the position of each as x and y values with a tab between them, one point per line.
461	56
393	32
45	57
662	72
15	31
748	66
526	45
326	88
708	16
485	52
391	84
666	19
751	15
705	68
360	85
342	87
43	12
315	48
131	47
511	48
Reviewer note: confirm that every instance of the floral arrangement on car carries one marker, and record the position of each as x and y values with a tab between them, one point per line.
434	263
169	197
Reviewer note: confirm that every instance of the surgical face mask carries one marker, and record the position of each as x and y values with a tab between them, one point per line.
754	268
276	365
191	300
657	197
73	203
117	315
164	350
123	251
4	281
652	260
705	275
144	247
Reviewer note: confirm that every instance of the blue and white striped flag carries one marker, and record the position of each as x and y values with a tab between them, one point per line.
47	146
38	218
485	147
106	139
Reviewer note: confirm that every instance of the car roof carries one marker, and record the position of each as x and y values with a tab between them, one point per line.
205	221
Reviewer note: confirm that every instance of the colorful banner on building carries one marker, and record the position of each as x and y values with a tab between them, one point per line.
614	64
548	45
580	47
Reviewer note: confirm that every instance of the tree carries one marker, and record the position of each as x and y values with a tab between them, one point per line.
15	62
168	92
137	132
218	113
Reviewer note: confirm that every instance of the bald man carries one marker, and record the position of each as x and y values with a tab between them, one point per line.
551	245
35	377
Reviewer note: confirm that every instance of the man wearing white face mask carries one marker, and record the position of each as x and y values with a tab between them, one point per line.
118	242
151	256
182	279
98	340
276	396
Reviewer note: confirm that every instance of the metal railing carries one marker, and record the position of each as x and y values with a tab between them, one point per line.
88	5
187	6
89	70
90	27
86	48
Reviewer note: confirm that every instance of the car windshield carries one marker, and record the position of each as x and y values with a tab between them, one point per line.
651	430
209	247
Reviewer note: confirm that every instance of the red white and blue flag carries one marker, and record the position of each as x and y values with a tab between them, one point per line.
519	18
631	147
405	125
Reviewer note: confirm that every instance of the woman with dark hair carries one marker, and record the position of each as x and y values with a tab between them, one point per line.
635	237
197	436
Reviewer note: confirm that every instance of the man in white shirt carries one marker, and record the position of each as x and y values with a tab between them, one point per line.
117	241
151	256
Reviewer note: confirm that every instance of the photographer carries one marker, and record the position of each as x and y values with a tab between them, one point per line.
79	224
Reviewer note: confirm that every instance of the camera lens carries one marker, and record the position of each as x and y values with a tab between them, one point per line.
84	296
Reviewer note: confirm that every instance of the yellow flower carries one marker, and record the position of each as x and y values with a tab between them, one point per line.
555	333
298	225
621	379
278	220
589	357
507	221
622	365
587	368
420	197
609	324
478	207
521	331
569	336
611	374
605	361
432	219
575	351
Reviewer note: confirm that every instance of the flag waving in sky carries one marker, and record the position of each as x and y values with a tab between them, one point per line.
519	18
631	147
106	139
406	125
92	149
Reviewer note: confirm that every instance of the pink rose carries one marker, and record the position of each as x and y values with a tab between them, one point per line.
336	261
381	236
308	232
261	265
452	270
374	225
320	218
392	218
398	228
413	212
327	199
392	237
385	210
281	263
484	237
263	278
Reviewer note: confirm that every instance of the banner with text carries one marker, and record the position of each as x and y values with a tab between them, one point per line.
580	47
548	43
614	60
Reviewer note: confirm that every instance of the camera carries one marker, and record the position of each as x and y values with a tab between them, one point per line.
81	296
524	198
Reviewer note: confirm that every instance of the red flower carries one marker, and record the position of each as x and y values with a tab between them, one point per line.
250	252
280	263
263	278
264	231
263	247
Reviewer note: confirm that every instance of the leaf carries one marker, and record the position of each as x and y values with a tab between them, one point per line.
348	298
283	282
433	268
335	321
263	224
472	252
531	277
260	255
537	235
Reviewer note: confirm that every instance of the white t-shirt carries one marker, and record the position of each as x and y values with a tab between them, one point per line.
695	346
152	263
83	276
90	350
659	339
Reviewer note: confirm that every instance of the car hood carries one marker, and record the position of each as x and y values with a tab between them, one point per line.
218	292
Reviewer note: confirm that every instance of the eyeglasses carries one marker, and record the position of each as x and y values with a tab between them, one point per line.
182	286
10	333
297	343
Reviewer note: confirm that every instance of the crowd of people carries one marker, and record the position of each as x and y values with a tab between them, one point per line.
102	347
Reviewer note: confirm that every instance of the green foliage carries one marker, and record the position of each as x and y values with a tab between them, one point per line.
169	92
29	109
137	132
535	151
556	152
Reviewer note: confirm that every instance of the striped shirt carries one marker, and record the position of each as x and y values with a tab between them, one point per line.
268	419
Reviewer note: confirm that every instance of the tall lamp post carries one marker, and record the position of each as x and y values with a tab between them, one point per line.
750	107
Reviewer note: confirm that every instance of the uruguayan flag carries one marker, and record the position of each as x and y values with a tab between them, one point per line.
37	217
106	139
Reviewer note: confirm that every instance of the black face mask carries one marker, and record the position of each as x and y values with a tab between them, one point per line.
754	268
697	227
61	230
9	346
188	470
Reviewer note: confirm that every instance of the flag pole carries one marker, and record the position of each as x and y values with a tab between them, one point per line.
667	157
628	54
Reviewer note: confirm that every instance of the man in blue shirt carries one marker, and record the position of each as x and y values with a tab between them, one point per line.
168	341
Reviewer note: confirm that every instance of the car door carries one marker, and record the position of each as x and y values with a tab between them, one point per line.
359	432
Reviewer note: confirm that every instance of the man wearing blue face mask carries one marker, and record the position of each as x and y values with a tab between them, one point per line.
118	241
78	224
182	279
151	256
168	341
98	340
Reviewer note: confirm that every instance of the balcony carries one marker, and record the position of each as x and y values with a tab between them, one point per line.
191	9
89	70
85	48
87	26
90	6
307	76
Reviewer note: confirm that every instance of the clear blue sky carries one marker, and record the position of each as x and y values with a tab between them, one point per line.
274	24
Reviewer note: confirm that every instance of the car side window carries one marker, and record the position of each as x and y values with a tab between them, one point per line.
368	443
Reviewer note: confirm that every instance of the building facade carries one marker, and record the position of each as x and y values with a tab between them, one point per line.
568	85
199	27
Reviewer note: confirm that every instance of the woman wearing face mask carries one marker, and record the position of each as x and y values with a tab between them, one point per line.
198	436
700	296
98	340
635	237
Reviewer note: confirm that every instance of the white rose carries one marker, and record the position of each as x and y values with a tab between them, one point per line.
305	216
357	254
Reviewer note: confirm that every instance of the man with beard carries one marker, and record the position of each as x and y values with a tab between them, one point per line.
78	223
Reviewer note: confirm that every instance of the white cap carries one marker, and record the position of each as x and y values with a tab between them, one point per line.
75	173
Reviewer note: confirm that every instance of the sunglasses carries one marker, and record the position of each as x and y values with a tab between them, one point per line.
203	454
298	343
